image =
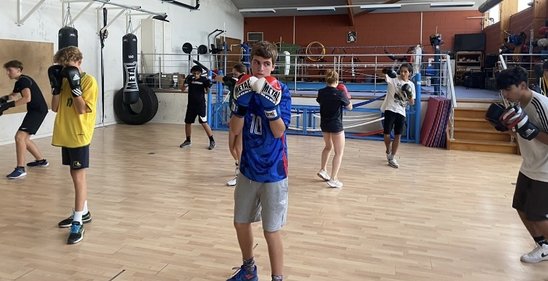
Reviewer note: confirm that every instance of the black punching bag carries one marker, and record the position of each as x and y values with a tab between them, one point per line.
129	59
68	36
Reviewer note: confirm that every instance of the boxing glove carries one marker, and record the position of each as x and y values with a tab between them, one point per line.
243	92
74	80
514	117
4	99
407	91
341	87
270	94
390	72
5	106
494	114
55	78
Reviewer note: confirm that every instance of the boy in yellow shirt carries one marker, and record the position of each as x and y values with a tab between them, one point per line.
74	99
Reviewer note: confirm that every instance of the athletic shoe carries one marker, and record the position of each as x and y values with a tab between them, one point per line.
232	182
211	145
323	175
38	163
76	233
18	172
68	221
389	156
393	163
334	183
540	253
242	275
185	144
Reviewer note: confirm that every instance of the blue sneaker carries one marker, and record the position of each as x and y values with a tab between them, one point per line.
76	233
242	275
19	172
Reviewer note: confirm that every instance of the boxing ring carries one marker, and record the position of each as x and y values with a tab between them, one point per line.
361	73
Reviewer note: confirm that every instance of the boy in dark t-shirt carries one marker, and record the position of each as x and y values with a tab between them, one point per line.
37	109
196	106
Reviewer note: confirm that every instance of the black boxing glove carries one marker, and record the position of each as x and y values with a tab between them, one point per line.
494	114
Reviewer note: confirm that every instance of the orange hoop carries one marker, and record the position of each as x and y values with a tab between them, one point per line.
314	57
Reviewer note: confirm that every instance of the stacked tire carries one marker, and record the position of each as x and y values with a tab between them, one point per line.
139	113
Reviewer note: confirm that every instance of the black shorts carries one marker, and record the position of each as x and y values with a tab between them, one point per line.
393	120
32	121
76	158
332	127
196	110
531	197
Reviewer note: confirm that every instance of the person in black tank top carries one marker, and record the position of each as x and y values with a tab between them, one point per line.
37	109
332	101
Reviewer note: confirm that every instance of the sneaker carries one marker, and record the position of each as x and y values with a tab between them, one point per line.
76	233
389	156
38	163
68	221
334	183
18	172
232	182
211	145
540	253
393	163
242	275
323	175
185	144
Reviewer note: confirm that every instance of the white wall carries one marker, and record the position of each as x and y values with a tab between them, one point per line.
43	26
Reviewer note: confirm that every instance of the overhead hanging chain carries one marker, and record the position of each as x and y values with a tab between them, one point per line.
67	21
129	26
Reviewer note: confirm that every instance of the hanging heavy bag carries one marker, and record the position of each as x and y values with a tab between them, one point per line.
68	36
129	59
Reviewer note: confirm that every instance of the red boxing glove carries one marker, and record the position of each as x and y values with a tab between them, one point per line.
341	87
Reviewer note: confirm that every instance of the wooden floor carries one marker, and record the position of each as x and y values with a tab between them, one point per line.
162	213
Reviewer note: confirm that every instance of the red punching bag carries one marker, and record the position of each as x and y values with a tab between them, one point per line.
129	59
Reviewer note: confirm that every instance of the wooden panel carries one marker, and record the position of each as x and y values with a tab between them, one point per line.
161	213
234	53
481	134
476	123
484	146
36	58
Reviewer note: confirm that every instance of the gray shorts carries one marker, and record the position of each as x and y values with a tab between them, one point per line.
256	200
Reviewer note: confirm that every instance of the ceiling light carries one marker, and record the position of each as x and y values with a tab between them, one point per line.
268	10
451	4
380	6
326	8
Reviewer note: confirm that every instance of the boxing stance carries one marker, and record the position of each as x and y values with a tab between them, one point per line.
234	141
332	99
74	99
400	93
196	105
261	113
37	109
527	117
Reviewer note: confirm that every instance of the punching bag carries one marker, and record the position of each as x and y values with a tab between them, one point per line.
129	59
68	36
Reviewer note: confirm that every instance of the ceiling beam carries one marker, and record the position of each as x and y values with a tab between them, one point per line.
350	12
369	11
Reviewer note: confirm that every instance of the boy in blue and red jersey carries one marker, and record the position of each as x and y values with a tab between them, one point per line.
261	113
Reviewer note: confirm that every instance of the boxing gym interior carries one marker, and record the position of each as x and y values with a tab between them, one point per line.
163	210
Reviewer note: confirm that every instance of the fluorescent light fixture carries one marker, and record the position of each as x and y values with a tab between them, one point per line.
267	10
451	4
326	8
380	6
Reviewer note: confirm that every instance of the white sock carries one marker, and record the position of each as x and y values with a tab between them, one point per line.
78	216
85	210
